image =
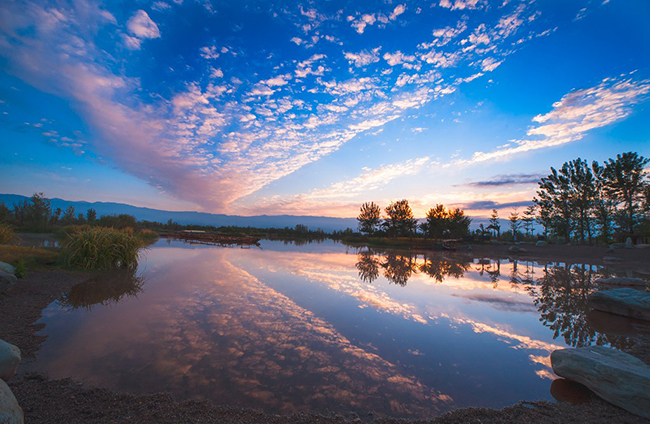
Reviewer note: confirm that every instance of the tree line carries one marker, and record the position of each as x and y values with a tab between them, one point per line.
398	221
594	202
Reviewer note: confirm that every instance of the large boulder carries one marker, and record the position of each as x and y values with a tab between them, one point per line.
7	268
627	302
10	411
615	376
6	281
622	281
9	360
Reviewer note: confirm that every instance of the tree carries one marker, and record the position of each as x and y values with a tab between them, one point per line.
625	182
494	223
528	218
369	218
604	208
514	223
400	221
38	212
68	217
91	216
554	201
583	185
5	213
436	221
458	223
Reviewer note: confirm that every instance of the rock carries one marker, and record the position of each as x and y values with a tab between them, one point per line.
615	376
622	281
627	302
541	243
612	259
628	243
6	281
643	246
617	246
515	249
7	268
10	411
9	360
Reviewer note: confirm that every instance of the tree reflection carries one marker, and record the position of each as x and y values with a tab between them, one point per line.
368	267
440	267
561	298
398	268
103	289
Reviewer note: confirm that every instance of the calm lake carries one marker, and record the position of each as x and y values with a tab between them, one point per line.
323	328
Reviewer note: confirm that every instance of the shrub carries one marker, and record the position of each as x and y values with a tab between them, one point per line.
7	235
99	248
148	236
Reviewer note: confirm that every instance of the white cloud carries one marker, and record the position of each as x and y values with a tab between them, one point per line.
460	4
363	58
397	58
209	52
142	26
574	115
399	9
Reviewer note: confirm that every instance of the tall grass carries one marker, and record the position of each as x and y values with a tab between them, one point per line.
7	235
98	248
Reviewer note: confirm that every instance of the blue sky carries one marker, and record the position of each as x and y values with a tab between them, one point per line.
312	108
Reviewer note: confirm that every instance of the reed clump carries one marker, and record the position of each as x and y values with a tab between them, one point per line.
101	248
7	235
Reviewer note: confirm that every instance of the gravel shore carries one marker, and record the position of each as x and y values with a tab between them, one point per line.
66	401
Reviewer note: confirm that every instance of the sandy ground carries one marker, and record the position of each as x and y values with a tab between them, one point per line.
65	401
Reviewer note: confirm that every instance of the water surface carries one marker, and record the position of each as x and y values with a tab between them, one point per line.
324	327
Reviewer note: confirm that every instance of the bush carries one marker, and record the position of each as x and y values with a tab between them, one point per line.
148	236
100	248
7	235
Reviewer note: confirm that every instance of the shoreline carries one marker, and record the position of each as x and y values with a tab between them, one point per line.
52	401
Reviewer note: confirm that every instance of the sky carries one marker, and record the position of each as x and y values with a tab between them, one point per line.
312	108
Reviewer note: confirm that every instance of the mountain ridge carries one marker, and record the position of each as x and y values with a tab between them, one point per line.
193	217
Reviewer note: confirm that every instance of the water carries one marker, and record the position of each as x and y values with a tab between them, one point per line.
323	327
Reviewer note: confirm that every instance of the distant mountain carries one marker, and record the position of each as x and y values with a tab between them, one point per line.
195	218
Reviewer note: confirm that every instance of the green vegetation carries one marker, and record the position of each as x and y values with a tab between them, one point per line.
104	288
7	235
100	248
30	256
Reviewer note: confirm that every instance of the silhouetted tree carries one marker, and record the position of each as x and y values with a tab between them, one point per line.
494	224
91	216
624	182
528	218
399	220
369	218
68	217
514	223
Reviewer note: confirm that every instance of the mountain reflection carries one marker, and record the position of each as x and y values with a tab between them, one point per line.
103	289
398	268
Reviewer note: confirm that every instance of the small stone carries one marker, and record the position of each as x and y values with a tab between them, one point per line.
541	243
615	376
9	360
10	411
6	281
7	268
515	249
